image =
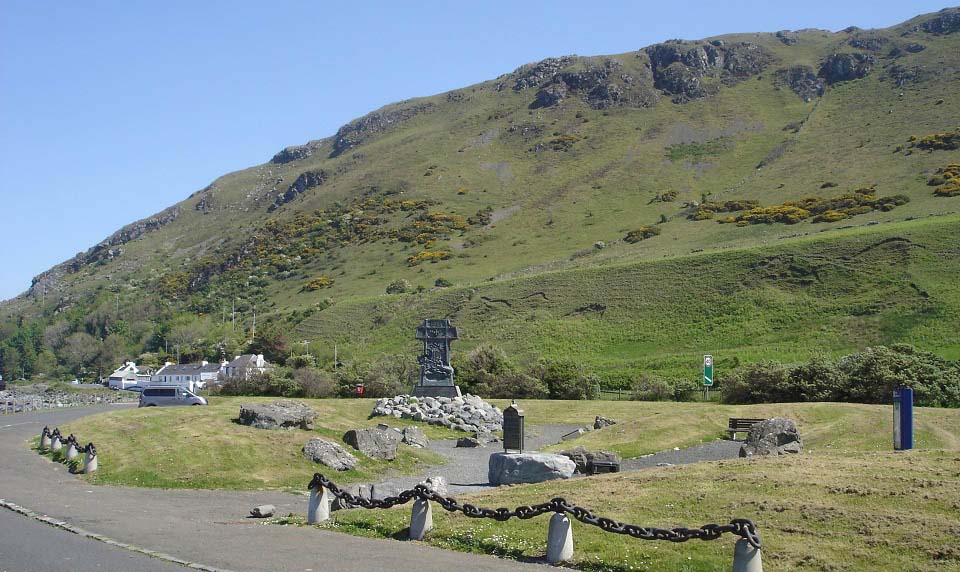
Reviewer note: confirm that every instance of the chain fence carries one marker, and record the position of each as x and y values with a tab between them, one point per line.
741	527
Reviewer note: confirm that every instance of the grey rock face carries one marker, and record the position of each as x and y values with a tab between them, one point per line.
801	80
358	131
329	454
946	22
846	67
516	468
777	436
304	182
297	152
376	443
600	422
584	458
679	66
263	511
282	414
415	437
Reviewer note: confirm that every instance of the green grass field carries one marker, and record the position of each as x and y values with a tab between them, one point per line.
847	503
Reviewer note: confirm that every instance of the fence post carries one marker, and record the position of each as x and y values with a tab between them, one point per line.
90	461
421	519
319	508
45	438
746	558
55	444
560	539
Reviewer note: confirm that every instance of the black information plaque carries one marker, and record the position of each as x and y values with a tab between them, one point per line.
513	428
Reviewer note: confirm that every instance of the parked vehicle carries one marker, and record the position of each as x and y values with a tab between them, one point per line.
134	388
153	396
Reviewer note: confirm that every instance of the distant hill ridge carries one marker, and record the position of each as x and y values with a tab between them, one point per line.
676	149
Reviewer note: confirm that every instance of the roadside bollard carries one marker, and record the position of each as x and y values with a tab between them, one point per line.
421	519
90	461
559	539
55	443
746	558
45	439
71	449
319	507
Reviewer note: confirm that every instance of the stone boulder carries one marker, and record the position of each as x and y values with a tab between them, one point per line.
600	422
263	511
436	484
329	454
415	437
376	442
283	414
469	442
362	491
584	459
516	468
777	436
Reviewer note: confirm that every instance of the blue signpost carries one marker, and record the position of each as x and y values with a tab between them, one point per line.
902	419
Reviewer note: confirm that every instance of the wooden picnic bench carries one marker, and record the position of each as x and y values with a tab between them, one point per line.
740	425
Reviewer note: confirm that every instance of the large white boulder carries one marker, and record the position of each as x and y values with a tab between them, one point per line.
516	468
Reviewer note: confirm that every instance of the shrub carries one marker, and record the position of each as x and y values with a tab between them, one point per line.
510	385
314	383
399	286
427	255
442	283
762	382
564	379
642	233
318	283
649	387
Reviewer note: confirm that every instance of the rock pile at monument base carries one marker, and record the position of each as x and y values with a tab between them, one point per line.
468	413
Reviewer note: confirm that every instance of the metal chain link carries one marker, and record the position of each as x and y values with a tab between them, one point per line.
741	527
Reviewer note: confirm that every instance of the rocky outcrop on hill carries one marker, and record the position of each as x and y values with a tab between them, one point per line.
109	248
868	41
468	413
801	80
947	21
298	152
902	75
356	132
601	83
846	67
680	67
302	184
787	37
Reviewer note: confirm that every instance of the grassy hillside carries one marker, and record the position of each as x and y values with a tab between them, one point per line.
552	167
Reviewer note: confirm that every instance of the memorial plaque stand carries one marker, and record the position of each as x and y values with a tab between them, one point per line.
513	429
436	374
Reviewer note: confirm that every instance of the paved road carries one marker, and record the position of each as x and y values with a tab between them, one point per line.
208	527
30	546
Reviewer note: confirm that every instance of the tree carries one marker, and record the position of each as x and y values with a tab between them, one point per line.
9	362
78	350
55	334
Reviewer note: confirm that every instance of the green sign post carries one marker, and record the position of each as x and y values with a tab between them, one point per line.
707	376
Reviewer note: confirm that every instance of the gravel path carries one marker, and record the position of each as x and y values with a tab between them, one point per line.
714	451
466	468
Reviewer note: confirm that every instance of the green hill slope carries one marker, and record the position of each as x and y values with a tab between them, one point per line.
581	177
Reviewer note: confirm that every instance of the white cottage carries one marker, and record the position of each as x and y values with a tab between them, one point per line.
193	376
244	366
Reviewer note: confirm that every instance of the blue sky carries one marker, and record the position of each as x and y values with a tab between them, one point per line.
111	111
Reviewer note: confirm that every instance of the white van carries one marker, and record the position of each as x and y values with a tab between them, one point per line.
155	396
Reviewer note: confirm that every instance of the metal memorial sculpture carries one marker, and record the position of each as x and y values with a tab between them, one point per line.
436	374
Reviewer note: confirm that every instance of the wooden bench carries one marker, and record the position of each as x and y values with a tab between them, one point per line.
740	425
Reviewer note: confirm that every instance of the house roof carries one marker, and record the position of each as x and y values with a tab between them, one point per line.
246	360
189	369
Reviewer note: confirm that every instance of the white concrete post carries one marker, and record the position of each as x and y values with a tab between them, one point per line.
559	539
90	463
55	444
746	558
421	519
319	507
71	451
45	439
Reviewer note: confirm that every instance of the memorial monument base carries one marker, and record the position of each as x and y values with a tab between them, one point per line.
436	391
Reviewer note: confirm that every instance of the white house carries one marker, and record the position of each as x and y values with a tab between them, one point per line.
192	376
244	366
126	375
